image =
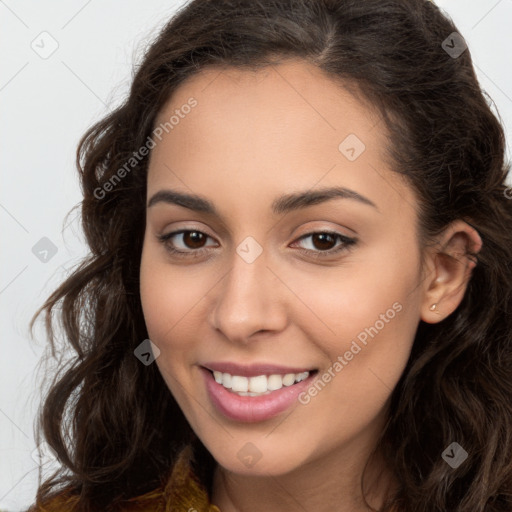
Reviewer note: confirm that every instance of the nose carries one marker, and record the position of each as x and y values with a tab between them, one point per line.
248	300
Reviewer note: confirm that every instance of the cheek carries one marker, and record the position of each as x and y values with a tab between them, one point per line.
365	321
372	323
167	297
377	287
167	308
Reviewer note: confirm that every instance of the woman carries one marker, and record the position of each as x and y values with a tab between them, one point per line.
299	291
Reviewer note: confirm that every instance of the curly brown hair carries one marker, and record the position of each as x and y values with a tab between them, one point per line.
105	412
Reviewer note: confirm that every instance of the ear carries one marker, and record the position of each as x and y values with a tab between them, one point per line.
449	264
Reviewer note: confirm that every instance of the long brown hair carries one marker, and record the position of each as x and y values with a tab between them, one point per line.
112	421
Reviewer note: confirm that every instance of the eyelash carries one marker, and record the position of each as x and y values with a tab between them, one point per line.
346	244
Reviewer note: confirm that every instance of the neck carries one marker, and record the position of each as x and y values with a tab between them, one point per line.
332	482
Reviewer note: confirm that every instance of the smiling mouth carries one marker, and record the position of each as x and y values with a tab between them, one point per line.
258	385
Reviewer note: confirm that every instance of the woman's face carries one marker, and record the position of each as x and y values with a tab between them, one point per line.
300	254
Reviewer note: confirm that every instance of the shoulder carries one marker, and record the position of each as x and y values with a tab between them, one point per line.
62	501
182	491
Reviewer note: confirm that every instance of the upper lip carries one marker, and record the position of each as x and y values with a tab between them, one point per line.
253	370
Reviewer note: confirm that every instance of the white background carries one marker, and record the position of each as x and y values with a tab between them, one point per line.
46	105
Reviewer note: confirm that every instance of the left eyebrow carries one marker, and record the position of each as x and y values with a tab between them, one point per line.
297	200
283	204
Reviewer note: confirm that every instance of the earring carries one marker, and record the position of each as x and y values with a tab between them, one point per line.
433	307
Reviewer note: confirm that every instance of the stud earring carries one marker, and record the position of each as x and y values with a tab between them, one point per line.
433	307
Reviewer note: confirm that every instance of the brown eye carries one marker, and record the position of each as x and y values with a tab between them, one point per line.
324	243
194	239
187	242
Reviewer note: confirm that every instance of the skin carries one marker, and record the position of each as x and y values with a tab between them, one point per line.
252	137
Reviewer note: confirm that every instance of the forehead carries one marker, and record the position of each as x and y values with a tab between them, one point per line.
283	125
279	93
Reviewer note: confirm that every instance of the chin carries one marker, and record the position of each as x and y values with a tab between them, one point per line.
259	458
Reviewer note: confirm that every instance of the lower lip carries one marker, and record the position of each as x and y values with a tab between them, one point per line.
251	409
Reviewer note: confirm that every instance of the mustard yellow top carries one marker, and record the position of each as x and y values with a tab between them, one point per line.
182	493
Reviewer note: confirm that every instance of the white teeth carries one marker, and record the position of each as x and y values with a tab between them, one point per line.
275	382
239	383
288	379
301	376
259	385
226	380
